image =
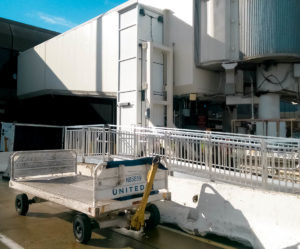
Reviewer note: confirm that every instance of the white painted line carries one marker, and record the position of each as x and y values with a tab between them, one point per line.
9	243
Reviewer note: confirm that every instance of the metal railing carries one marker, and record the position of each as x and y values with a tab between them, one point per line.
254	161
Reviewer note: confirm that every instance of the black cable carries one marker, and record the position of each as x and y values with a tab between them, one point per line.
267	78
151	27
151	18
142	58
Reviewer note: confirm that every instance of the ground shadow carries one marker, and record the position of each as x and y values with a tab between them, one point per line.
296	246
108	237
212	215
211	203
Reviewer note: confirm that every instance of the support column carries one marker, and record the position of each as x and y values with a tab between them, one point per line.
269	106
230	78
269	109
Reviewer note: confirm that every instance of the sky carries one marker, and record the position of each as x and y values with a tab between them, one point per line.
56	15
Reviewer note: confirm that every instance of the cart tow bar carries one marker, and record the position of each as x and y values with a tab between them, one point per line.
137	220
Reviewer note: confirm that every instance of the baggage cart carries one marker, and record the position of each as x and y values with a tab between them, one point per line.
118	194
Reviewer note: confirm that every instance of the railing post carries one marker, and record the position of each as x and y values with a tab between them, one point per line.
264	161
210	157
64	137
118	150
66	140
167	148
84	142
134	144
109	143
103	144
89	145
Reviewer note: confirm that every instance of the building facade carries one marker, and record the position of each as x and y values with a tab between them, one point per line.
197	64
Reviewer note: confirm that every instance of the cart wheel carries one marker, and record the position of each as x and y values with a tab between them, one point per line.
154	218
82	228
22	204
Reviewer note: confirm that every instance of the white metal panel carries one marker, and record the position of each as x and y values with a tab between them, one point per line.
128	79
128	43
98	59
128	97
54	64
128	18
158	87
214	27
157	31
158	115
128	114
150	29
110	52
144	32
158	56
71	59
31	70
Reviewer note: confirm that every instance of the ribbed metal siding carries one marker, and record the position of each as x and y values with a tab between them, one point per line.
269	27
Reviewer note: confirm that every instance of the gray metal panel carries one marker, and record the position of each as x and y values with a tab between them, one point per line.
44	162
25	38
5	36
269	28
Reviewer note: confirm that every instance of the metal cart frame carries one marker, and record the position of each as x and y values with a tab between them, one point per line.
110	197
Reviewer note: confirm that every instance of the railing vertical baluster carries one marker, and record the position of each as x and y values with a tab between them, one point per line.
109	143
264	163
134	144
103	144
210	157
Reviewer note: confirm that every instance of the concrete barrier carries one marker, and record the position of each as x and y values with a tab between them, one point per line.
261	218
